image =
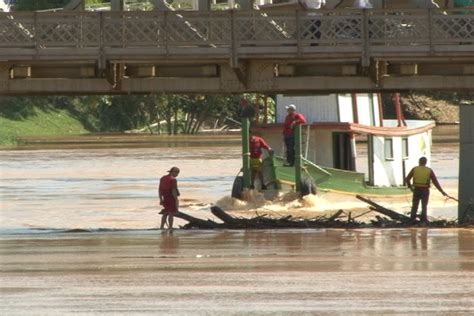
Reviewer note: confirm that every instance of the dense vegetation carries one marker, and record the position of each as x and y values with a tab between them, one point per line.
32	5
171	114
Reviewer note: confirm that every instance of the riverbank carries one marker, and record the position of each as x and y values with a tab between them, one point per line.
441	134
39	122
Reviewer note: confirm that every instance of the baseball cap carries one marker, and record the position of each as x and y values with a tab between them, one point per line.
291	106
173	169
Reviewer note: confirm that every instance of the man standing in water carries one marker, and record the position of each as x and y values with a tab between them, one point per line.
168	193
422	176
257	143
292	119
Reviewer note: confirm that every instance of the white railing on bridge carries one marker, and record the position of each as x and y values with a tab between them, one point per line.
361	31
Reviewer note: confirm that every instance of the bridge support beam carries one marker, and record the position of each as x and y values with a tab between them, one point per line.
75	5
159	5
245	4
466	165
117	5
4	76
202	5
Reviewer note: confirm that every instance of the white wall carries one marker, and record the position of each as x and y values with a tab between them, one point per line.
375	104
319	149
346	111
322	152
319	108
389	172
419	146
332	108
365	109
275	139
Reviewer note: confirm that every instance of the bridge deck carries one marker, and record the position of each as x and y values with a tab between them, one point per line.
346	42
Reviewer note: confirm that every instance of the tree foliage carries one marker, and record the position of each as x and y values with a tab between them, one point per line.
155	113
33	5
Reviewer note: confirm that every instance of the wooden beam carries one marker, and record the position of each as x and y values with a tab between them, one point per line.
4	76
385	211
241	72
75	5
403	69
114	74
197	222
140	71
20	72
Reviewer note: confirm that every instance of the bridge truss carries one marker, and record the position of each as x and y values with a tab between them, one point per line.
235	51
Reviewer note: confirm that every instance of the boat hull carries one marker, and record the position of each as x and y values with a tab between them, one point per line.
335	180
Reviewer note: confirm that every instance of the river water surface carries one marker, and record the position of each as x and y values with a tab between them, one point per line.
77	236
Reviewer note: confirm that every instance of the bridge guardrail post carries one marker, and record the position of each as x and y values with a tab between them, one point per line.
298	31
36	33
101	61
365	39
430	31
165	33
233	59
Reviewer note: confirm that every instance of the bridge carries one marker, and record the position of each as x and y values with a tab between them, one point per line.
273	51
235	51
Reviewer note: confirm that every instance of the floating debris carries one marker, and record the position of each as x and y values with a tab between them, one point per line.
340	219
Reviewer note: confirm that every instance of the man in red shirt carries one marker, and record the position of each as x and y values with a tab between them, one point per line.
292	119
422	176
168	193
257	143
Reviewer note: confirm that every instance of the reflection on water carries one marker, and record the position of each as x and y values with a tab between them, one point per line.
123	269
268	272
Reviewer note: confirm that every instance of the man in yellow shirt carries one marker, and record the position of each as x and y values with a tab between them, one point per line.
422	176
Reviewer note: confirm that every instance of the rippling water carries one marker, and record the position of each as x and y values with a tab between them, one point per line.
106	188
75	239
269	272
116	188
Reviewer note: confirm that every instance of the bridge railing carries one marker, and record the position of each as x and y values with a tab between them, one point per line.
300	32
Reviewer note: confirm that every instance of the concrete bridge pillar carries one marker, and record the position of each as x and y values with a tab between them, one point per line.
159	5
117	5
466	162
75	5
4	76
245	4
202	5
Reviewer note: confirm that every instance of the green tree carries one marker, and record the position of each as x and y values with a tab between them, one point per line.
33	5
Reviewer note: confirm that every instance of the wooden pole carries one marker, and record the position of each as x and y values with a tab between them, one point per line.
298	158
246	152
265	109
385	211
466	165
203	224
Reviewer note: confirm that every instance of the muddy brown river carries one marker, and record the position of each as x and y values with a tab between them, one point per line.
78	236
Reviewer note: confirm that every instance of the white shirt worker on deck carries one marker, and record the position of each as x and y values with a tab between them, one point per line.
363	4
315	28
314	4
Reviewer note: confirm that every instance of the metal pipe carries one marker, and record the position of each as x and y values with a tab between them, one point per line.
246	152
298	158
466	167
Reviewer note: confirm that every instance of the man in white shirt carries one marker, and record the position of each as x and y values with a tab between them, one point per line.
314	4
314	30
363	4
